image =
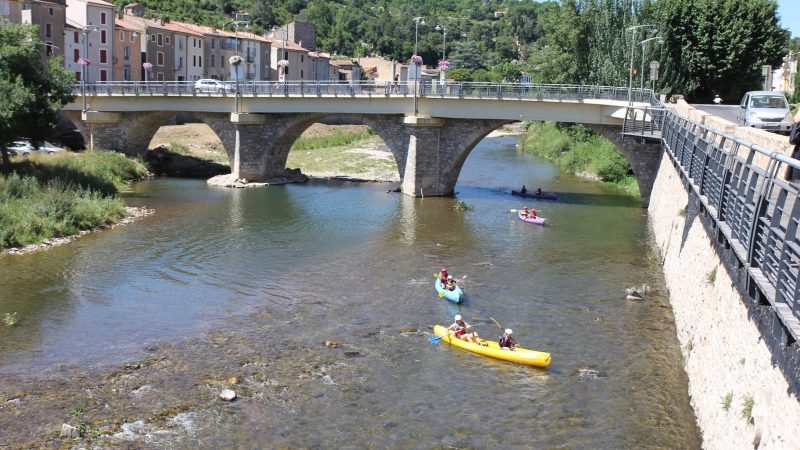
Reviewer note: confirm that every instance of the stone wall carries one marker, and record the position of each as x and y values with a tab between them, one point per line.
731	344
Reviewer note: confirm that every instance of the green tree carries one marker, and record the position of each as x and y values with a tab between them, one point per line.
508	72
794	45
31	95
718	46
466	56
459	75
484	76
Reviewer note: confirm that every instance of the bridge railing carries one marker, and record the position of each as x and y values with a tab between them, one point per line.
644	122
744	188
428	89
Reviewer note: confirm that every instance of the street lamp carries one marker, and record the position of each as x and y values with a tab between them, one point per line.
278	66
633	30
85	71
418	66
644	43
236	66
441	28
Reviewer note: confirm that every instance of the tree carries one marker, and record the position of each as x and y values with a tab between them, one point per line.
466	56
718	46
459	75
31	95
508	72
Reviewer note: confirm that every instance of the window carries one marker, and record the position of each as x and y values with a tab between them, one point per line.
286	70
160	58
126	53
48	30
194	43
133	37
103	56
153	38
222	44
200	61
76	54
103	75
160	40
194	61
77	38
180	62
102	36
102	18
77	76
160	76
48	48
121	36
200	44
222	62
52	13
126	73
180	43
301	73
301	58
213	43
286	55
212	61
166	40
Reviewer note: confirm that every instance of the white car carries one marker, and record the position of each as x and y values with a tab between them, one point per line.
213	87
49	148
21	148
766	110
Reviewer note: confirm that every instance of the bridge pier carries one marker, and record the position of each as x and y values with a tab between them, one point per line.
645	159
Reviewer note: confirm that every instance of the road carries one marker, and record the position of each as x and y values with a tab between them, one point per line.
727	112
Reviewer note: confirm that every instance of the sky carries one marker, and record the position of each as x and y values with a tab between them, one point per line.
789	10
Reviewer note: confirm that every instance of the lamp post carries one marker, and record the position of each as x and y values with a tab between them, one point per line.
418	66
441	28
85	71
644	43
633	30
236	66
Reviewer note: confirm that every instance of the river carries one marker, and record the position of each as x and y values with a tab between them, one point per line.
143	325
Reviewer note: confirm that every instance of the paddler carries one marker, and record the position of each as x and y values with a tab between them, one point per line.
443	277
507	342
525	211
451	283
460	331
523	190
539	191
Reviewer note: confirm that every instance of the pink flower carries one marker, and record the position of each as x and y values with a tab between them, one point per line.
416	59
444	66
147	66
84	61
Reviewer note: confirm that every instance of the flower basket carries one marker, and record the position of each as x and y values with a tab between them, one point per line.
416	59
444	66
283	63
84	61
236	60
147	66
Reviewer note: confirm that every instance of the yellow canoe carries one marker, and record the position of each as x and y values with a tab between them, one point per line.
521	355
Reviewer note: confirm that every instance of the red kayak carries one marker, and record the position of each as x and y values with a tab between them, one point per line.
544	195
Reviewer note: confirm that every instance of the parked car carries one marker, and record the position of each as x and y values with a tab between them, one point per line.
49	148
21	148
766	110
213	86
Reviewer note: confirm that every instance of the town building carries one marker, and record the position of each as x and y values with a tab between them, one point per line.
96	20
10	11
320	65
345	70
157	47
50	16
380	69
73	49
127	52
214	50
188	52
298	68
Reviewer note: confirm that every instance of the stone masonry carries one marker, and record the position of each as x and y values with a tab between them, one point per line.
643	158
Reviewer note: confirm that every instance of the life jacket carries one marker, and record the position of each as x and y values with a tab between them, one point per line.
505	341
460	329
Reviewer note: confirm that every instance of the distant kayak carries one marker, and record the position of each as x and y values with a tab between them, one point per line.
538	220
454	296
520	355
545	195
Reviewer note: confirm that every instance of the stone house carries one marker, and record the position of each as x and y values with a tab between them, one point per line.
380	69
50	16
96	17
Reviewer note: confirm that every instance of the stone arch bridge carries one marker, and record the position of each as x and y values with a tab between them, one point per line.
259	124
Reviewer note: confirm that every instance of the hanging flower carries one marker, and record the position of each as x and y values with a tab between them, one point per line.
444	66
84	61
416	59
147	66
236	60
283	63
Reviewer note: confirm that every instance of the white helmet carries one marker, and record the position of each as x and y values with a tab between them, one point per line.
449	277
508	331
458	317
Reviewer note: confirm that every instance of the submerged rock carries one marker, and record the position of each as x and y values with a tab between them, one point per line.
227	395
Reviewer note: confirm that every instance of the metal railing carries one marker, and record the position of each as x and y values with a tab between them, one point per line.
742	186
429	89
644	122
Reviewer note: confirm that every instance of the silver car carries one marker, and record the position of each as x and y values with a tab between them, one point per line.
767	110
21	148
213	87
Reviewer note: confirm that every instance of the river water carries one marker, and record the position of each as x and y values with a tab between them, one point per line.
143	325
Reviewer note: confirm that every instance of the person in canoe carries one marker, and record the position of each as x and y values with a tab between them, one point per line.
443	277
525	211
451	283
539	191
507	342
523	190
529	213
460	331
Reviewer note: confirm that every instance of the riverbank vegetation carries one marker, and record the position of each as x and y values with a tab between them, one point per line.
49	196
579	150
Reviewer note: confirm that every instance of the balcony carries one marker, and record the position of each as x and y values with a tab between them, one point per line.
250	59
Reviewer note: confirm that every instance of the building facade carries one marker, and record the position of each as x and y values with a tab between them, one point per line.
50	16
96	19
127	52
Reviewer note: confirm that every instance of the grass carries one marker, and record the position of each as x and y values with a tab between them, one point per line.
337	138
461	206
10	319
726	401
711	277
60	195
331	154
577	149
682	212
747	407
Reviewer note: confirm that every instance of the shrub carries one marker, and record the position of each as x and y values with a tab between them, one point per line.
459	75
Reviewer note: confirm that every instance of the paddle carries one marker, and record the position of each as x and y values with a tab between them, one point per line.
441	294
516	210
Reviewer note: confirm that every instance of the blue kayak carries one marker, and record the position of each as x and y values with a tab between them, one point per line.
454	296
